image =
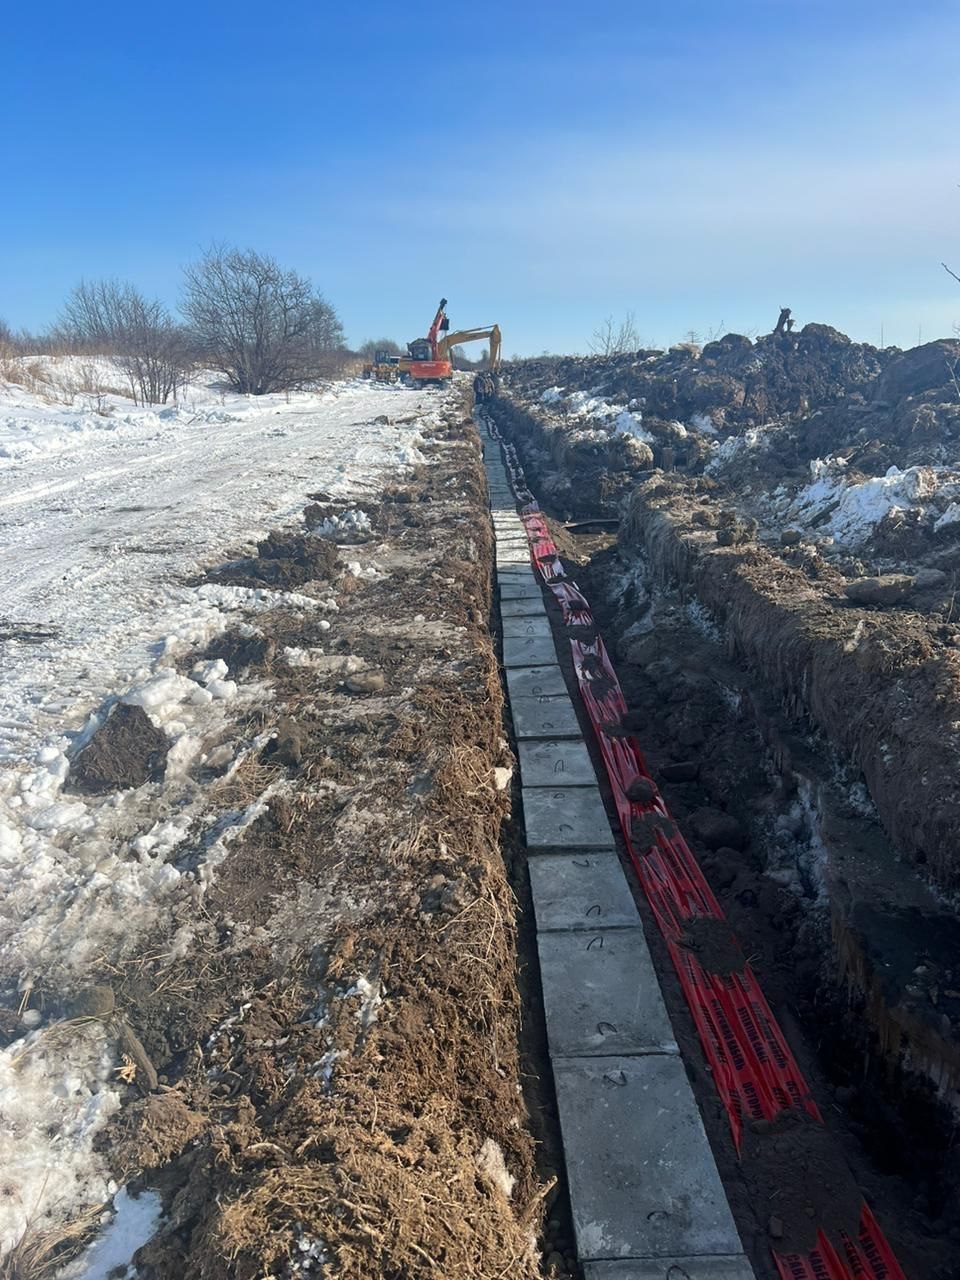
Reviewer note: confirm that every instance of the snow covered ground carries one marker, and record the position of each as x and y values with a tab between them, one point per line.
103	519
107	512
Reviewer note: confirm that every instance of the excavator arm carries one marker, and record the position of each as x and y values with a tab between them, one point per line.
451	340
440	323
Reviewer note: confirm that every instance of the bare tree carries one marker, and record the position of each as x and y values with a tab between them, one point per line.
615	339
141	337
266	328
950	273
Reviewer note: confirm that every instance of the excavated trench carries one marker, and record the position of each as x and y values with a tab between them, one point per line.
821	853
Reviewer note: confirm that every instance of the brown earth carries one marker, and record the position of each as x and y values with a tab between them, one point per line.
883	688
126	751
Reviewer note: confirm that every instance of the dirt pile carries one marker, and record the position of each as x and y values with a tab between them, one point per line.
126	751
284	560
854	449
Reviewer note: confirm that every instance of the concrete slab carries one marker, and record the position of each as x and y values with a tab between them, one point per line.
535	682
519	555
546	716
581	891
513	588
643	1183
529	606
519	626
556	763
565	818
601	994
724	1268
529	651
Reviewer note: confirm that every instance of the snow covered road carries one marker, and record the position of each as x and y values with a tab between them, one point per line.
99	528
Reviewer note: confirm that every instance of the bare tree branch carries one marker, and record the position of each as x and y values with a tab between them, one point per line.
140	336
266	328
611	339
950	273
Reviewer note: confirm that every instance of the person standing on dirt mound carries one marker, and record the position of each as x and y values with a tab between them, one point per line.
478	388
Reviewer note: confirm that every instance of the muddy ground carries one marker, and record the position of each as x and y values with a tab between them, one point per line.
854	943
327	1077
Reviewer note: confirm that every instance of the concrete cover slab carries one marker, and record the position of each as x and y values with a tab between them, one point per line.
520	626
554	763
535	682
643	1183
547	716
724	1268
527	606
581	891
565	817
529	651
514	588
601	994
518	555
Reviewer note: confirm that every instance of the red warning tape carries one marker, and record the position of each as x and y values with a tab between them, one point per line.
756	1074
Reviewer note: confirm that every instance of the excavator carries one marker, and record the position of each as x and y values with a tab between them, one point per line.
429	357
491	331
424	363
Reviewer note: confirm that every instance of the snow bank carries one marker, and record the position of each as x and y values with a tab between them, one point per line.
593	410
850	510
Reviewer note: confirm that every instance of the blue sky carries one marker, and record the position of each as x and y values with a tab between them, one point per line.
542	165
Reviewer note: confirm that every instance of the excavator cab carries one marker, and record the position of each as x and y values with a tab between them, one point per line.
420	349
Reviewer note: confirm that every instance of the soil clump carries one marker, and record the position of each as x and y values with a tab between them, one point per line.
126	751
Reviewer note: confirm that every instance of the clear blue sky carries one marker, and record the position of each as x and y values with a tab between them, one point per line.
541	164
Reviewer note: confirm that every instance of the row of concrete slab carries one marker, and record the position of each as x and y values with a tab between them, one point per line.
645	1194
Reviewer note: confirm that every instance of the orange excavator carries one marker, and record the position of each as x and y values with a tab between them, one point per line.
429	358
425	362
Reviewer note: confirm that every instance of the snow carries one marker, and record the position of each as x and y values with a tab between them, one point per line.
592	409
345	526
108	521
855	508
54	1106
950	516
729	450
133	1223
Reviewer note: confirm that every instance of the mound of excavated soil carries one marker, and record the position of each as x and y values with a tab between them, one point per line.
793	1168
240	650
284	560
126	751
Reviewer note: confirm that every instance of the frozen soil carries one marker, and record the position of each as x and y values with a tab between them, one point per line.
325	1078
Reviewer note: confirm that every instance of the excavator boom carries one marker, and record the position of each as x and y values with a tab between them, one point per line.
451	340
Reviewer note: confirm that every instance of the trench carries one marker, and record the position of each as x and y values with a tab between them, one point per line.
716	736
